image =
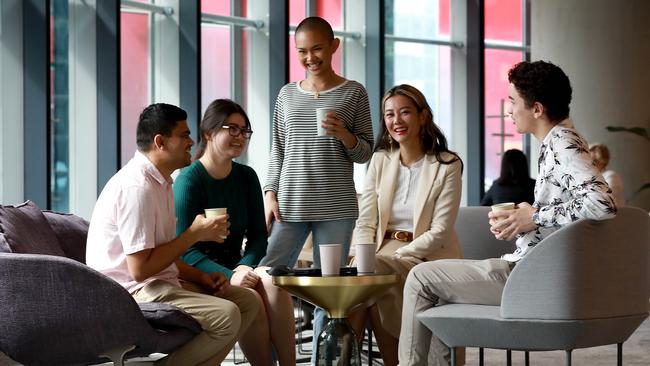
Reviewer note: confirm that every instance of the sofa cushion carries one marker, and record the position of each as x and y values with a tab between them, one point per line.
71	231
168	317
24	229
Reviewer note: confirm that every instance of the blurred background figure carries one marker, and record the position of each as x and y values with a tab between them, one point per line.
514	183
600	154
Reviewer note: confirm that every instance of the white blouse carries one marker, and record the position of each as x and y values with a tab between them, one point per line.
401	214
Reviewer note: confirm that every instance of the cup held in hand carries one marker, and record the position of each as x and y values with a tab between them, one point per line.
321	114
503	207
214	212
365	258
330	259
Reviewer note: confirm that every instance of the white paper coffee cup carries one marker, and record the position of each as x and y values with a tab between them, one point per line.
330	259
214	212
503	207
365	258
321	114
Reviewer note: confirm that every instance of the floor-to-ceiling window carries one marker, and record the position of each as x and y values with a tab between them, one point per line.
59	106
136	78
417	53
504	47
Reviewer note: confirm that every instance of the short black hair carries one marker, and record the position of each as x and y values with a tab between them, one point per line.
157	119
316	24
543	82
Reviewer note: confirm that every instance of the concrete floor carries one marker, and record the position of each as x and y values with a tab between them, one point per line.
636	351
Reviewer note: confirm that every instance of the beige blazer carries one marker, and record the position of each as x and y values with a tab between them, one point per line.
436	206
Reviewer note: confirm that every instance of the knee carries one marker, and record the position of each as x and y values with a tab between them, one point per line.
415	279
224	320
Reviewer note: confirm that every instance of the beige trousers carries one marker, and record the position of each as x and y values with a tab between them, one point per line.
223	319
460	281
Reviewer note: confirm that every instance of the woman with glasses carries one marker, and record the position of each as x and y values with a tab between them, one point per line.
214	180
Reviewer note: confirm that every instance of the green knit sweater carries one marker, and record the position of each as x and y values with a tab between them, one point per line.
241	193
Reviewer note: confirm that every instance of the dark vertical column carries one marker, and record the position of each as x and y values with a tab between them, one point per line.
237	56
279	50
36	143
108	90
190	62
475	163
375	67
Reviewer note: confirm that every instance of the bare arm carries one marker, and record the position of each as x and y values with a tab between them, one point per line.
148	262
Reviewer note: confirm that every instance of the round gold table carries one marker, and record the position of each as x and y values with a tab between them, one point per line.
337	343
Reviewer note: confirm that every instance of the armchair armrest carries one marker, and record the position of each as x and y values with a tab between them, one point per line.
56	310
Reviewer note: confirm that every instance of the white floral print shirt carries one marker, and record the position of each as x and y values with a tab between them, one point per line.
568	187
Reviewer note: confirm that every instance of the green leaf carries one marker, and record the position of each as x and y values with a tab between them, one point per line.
640	131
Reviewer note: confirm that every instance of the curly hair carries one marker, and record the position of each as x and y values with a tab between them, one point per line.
543	82
434	141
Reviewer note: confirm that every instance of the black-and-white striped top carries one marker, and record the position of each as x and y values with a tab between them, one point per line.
311	175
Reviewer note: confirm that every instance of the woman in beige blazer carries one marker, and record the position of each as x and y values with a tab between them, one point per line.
408	206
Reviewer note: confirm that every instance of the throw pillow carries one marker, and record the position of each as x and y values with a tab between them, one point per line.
24	229
71	231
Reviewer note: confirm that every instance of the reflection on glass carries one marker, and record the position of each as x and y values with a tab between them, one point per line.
59	107
135	78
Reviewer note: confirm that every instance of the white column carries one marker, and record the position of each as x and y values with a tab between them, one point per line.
259	99
604	47
11	102
458	139
83	107
165	60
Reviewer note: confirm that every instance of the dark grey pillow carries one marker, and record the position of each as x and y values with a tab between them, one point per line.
24	229
168	317
71	231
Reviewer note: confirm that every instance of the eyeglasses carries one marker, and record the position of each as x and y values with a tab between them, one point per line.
235	131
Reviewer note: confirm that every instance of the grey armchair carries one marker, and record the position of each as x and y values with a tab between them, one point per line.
583	286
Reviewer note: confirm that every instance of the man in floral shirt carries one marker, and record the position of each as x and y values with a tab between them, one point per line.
568	188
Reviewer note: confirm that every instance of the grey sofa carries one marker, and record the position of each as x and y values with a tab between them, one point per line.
55	310
585	285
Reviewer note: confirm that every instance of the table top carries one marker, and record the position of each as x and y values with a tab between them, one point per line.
336	294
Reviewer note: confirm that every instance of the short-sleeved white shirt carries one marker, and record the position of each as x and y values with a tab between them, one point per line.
135	211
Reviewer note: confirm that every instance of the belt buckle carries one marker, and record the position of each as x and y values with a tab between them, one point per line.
400	235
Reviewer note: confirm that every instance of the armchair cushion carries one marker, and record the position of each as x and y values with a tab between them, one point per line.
24	229
71	231
168	317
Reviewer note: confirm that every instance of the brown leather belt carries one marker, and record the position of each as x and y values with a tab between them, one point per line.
399	235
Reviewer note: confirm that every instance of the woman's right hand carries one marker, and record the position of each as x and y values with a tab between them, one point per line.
271	210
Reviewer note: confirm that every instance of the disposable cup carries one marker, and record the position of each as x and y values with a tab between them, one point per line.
321	114
330	259
213	212
365	258
503	206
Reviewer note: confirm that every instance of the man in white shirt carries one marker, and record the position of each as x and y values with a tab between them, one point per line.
132	239
568	188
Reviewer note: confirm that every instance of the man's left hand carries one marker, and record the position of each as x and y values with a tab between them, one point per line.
215	282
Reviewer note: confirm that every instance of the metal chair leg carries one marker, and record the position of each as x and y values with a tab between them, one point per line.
369	346
509	357
453	355
117	355
480	356
619	354
568	357
526	358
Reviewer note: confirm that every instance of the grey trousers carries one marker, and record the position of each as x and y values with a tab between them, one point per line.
459	281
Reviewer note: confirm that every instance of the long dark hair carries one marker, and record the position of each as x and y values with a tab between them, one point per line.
514	168
434	141
214	118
